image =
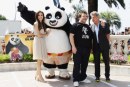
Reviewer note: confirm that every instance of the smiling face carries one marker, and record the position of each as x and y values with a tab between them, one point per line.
55	17
40	17
83	18
95	17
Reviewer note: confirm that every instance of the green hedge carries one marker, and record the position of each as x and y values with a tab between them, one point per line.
6	58
129	58
91	58
28	58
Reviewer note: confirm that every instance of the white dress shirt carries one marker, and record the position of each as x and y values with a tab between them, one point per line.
96	31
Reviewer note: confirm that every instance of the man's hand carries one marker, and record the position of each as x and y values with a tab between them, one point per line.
103	22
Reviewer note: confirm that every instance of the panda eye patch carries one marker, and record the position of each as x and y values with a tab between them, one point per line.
58	15
12	39
48	16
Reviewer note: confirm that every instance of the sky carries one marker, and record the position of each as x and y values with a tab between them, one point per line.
9	10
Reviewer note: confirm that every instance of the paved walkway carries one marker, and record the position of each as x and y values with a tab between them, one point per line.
26	79
119	70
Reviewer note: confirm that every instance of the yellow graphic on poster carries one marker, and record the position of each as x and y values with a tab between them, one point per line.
2	45
19	43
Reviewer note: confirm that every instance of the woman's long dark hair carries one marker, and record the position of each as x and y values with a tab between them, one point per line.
41	25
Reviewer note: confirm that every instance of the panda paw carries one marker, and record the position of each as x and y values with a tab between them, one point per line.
50	74
64	74
21	7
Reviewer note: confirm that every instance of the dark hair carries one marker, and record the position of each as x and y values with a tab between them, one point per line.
40	24
78	14
81	12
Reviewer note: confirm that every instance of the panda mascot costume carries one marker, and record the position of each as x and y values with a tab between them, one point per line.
57	42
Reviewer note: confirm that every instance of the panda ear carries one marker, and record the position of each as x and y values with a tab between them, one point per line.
62	8
47	7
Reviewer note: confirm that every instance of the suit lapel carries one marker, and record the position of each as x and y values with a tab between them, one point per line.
93	28
100	27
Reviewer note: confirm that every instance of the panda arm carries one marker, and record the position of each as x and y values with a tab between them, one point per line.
23	48
26	14
8	47
67	27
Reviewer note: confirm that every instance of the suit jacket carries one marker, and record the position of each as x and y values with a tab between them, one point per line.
102	37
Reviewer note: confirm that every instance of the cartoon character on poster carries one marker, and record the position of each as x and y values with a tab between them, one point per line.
15	48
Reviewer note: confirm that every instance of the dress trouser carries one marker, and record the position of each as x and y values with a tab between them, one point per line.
80	63
106	60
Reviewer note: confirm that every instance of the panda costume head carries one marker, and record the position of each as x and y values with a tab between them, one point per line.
16	42
57	18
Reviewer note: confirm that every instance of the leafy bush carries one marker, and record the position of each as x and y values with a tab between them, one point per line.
4	58
129	58
28	57
91	58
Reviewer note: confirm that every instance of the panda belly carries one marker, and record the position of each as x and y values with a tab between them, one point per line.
57	42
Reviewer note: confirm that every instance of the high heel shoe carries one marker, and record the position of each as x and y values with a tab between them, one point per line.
40	79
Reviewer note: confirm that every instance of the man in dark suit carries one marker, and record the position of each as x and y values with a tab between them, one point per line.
100	45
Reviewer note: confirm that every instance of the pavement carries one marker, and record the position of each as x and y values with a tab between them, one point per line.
25	77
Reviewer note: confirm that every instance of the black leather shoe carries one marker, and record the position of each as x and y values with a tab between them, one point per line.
97	79
108	79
